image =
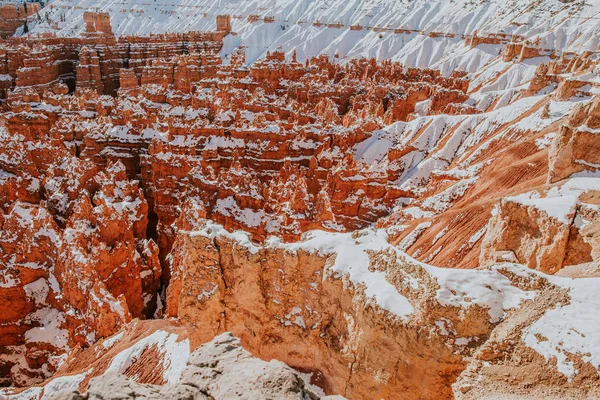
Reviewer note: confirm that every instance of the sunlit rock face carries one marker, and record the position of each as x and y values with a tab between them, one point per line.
400	202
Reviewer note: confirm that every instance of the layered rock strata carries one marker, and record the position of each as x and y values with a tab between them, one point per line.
14	15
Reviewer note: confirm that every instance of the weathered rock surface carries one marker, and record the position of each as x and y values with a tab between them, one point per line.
219	369
575	148
320	305
119	387
363	318
357	314
13	15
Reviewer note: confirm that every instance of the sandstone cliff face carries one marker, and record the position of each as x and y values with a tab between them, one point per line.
547	231
554	227
523	233
574	149
323	305
14	15
526	357
320	305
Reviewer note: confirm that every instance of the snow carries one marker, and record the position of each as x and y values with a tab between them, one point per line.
247	216
212	230
559	201
37	290
307	378
28	394
294	317
62	383
434	143
439	141
487	288
208	291
477	235
373	149
588	164
50	331
110	342
545	141
412	237
352	259
444	200
50	389
562	208
544	22
24	214
416	212
175	354
574	187
439	235
569	329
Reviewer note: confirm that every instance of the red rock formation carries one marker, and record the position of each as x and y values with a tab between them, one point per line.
97	24
575	148
88	71
224	23
112	149
315	321
12	16
73	248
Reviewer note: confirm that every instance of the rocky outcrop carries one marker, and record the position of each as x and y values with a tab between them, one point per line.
14	15
279	299
88	73
355	313
522	231
124	366
224	23
97	24
352	311
220	367
77	266
118	387
575	148
92	61
548	231
525	358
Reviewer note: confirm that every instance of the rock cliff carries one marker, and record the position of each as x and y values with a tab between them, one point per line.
13	15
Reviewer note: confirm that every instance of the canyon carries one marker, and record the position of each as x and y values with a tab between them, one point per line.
299	200
14	15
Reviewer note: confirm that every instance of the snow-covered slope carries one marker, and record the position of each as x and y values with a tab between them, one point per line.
307	26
